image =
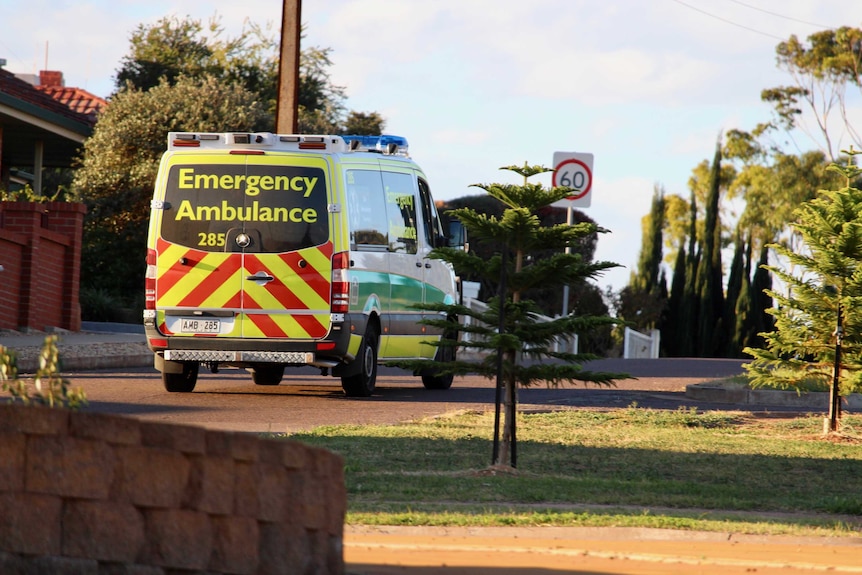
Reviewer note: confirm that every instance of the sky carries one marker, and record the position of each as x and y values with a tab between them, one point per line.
646	86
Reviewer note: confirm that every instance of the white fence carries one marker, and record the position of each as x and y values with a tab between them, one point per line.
638	345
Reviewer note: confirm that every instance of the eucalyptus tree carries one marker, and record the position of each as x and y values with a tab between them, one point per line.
821	69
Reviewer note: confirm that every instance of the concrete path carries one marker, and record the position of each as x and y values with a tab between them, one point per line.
550	550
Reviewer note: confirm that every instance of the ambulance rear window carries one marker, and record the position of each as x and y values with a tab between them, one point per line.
254	208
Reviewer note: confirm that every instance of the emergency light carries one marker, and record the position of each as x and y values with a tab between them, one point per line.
385	143
247	143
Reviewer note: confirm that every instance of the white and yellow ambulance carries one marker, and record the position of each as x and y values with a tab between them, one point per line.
268	251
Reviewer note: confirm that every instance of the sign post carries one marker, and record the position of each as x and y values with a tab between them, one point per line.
572	170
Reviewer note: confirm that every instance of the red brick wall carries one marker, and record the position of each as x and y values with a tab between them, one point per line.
95	493
40	251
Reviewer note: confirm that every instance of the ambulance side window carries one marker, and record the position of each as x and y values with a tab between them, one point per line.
366	210
401	210
430	219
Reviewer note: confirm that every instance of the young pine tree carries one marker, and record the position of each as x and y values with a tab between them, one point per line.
516	346
817	314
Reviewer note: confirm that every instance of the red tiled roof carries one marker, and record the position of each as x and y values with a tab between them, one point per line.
76	99
21	90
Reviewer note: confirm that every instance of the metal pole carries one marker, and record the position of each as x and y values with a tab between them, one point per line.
569	220
288	69
834	392
498	399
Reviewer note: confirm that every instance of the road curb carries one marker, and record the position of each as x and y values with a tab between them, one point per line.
722	393
72	364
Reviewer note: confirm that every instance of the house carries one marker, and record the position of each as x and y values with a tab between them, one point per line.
42	125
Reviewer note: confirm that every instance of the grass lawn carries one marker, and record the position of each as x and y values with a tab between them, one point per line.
726	471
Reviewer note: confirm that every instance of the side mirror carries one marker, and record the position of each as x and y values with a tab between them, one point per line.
457	237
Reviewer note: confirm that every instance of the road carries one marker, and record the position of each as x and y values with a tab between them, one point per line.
229	400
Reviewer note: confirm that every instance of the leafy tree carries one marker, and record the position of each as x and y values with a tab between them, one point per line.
821	306
821	71
120	161
364	123
515	334
173	47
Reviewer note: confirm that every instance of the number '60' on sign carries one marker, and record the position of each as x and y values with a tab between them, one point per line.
573	170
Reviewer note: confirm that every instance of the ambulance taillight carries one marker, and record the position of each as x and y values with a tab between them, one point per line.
150	281
340	282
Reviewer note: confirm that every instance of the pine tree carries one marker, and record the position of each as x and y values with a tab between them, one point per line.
817	319
509	339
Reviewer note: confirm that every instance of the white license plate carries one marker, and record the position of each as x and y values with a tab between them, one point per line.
200	326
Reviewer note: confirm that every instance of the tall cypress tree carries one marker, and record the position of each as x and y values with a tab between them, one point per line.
687	330
649	262
672	331
709	273
734	286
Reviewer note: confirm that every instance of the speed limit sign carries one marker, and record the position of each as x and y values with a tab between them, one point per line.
574	170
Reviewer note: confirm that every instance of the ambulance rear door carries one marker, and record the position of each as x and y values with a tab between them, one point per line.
244	247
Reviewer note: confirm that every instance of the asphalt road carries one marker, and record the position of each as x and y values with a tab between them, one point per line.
229	400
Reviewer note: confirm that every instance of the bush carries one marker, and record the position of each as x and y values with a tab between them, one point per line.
49	388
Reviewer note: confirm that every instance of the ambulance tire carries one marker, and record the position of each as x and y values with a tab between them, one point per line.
362	384
433	380
182	381
267	374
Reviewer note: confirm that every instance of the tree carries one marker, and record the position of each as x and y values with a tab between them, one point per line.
651	255
817	318
509	331
364	123
174	47
642	304
549	300
120	161
708	283
821	71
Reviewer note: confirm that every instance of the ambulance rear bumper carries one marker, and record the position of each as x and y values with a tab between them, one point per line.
207	356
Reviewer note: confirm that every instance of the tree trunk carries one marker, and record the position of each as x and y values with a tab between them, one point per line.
507	454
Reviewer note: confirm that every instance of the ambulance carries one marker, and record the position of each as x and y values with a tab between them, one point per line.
269	251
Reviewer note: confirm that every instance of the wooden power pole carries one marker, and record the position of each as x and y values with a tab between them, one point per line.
286	110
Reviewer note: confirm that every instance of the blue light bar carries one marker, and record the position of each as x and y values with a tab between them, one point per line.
377	142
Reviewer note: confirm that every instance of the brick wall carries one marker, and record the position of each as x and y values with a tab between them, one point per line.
97	494
40	251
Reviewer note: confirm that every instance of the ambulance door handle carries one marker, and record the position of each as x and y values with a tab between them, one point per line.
418	264
428	265
260	277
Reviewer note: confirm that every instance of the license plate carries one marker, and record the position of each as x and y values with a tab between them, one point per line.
200	326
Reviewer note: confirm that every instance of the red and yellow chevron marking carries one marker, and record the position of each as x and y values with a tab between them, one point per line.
295	304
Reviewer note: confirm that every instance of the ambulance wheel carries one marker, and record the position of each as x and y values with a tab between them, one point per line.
362	384
267	374
432	380
182	381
